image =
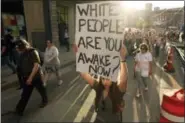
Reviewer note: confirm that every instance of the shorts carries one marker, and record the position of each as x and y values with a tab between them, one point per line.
51	69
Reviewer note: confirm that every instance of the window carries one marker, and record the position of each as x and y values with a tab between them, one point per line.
63	14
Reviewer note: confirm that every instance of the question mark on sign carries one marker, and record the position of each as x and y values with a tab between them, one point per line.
116	65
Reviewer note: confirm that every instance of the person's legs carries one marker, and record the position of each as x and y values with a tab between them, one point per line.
27	91
145	82
42	91
57	72
47	75
138	83
19	79
14	56
67	44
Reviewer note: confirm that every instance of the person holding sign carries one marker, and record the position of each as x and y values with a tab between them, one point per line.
115	90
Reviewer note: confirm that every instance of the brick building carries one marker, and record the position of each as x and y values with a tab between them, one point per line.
168	17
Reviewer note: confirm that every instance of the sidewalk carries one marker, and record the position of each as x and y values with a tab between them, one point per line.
9	80
168	83
179	47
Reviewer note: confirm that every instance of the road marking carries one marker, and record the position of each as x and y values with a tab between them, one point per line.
182	70
82	92
69	90
85	108
135	113
147	109
173	82
62	72
93	117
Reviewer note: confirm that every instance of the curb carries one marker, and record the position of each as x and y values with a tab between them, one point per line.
180	55
15	82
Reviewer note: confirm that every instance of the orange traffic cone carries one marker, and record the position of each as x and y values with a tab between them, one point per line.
168	66
172	109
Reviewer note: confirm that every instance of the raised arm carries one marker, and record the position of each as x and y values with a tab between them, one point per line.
123	71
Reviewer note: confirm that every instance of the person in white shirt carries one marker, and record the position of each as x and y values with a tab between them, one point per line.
51	62
143	67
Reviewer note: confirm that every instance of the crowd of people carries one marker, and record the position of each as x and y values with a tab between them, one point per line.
33	73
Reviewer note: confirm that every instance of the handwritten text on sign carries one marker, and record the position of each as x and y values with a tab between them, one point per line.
99	36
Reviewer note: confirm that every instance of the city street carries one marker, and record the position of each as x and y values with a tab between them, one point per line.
73	100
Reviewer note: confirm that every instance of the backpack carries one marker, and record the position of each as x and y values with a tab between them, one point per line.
40	55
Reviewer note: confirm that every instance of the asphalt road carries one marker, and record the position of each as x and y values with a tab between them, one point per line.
73	100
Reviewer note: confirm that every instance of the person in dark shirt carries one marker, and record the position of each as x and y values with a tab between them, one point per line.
20	80
5	55
32	75
10	46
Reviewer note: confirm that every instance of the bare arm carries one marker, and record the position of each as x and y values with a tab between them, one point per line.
88	78
123	71
123	77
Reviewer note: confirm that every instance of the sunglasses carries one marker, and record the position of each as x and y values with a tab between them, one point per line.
142	48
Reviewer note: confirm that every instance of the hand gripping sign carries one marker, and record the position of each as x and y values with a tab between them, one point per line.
99	37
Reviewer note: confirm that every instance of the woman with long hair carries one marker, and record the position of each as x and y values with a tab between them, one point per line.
143	67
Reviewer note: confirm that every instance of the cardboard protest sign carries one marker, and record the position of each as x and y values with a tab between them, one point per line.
99	37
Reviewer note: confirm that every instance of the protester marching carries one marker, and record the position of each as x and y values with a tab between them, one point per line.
122	64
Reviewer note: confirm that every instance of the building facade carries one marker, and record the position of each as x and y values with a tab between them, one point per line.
47	19
168	17
12	17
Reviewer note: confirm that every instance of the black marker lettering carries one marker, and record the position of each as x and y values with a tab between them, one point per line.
81	58
90	21
96	25
95	59
93	10
88	59
111	44
81	41
89	42
107	60
94	68
105	24
118	27
82	22
82	11
111	8
99	70
97	43
110	26
117	46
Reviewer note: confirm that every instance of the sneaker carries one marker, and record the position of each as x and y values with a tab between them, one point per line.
146	89
60	82
138	95
44	83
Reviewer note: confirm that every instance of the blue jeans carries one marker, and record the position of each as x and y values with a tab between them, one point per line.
141	80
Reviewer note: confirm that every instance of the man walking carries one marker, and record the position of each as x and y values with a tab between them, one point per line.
29	66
